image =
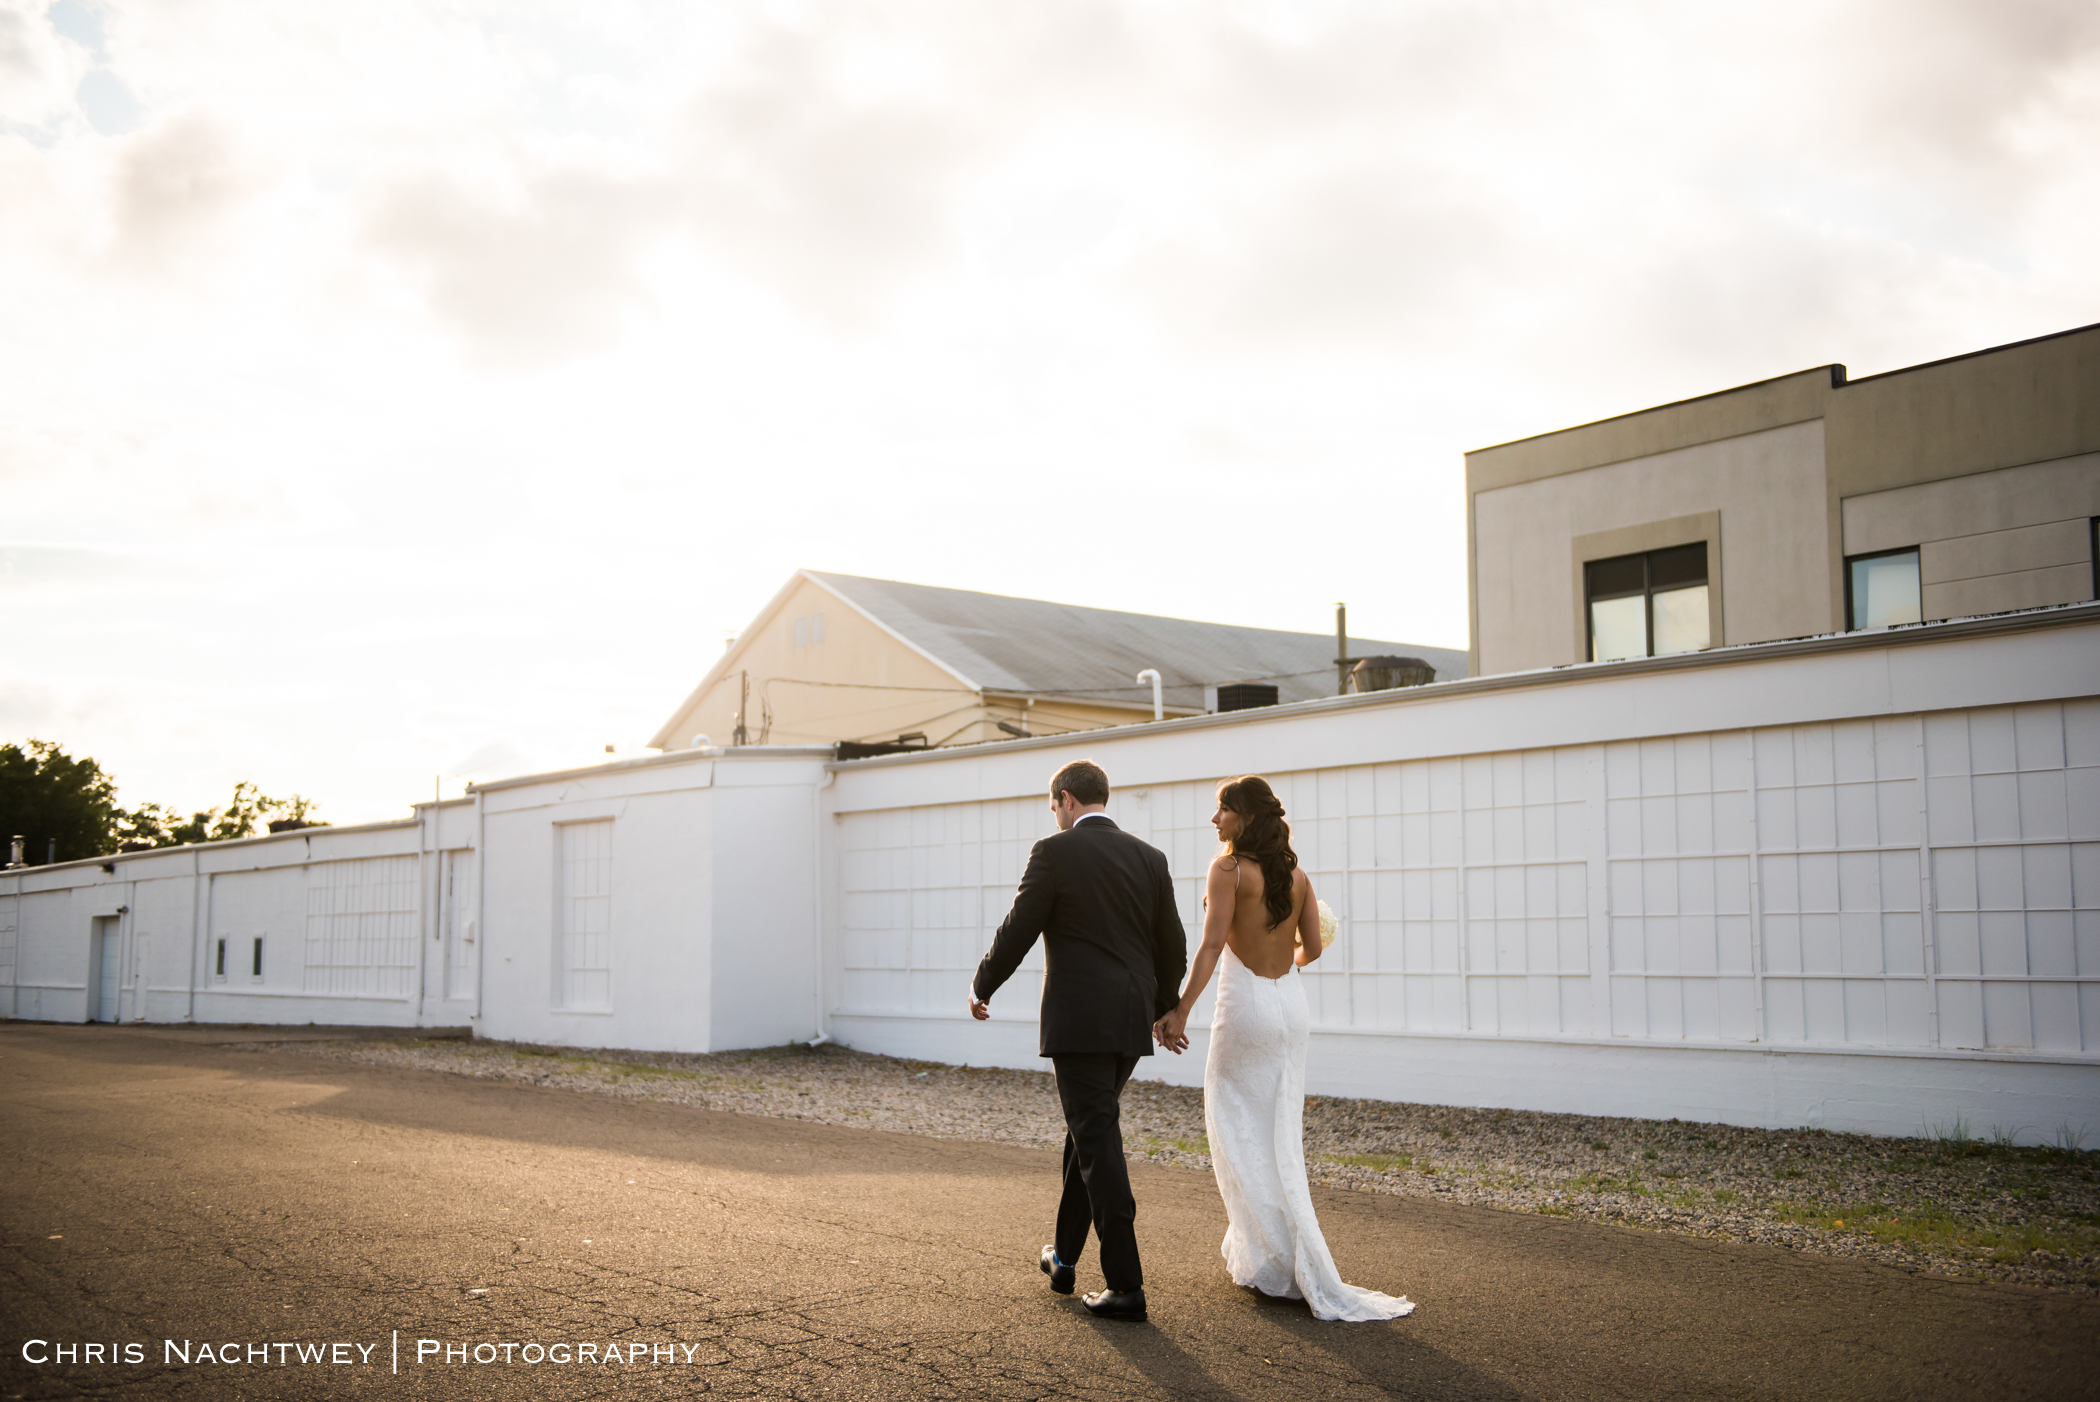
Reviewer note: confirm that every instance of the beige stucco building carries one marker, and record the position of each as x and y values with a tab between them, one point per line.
837	657
1807	504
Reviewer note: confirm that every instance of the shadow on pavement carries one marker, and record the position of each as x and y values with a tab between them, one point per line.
1329	1358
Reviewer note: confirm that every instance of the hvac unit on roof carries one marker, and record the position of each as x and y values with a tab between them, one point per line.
1386	673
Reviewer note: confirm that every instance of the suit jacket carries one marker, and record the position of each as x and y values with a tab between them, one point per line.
1114	951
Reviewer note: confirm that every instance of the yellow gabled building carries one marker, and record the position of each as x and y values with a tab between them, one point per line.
836	657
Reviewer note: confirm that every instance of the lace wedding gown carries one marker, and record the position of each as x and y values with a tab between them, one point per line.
1254	1110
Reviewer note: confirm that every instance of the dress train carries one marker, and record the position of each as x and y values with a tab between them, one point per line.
1254	1111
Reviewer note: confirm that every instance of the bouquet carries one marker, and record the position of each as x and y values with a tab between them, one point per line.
1328	925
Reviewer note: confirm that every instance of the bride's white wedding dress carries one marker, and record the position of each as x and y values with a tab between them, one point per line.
1254	1110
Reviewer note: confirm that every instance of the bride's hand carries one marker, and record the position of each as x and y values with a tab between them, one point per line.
1168	1032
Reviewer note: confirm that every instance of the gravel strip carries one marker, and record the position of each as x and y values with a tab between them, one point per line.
1952	1205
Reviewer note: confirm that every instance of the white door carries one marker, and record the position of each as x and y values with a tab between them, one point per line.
138	976
456	909
110	969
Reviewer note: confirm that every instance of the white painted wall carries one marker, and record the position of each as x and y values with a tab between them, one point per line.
331	955
1869	899
764	986
713	938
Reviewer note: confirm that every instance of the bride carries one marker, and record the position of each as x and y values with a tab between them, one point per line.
1262	923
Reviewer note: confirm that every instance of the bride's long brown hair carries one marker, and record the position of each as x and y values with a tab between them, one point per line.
1265	837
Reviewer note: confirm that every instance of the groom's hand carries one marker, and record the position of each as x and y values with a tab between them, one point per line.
1167	1032
980	1011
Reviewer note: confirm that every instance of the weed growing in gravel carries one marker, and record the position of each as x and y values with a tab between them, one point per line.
1383	1163
1925	1227
1152	1144
630	1068
1954	1134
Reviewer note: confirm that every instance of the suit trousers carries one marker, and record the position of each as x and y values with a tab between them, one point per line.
1097	1180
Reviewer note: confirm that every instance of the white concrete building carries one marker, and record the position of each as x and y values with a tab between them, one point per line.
1850	881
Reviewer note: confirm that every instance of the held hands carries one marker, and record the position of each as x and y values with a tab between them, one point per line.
1169	1032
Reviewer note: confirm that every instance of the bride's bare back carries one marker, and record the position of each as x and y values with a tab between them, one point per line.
1235	916
1267	949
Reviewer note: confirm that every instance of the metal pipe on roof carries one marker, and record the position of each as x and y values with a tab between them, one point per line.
1342	660
1159	705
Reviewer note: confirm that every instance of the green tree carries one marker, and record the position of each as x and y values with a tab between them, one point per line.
250	814
46	795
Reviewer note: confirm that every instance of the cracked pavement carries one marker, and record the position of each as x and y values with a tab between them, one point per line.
170	1183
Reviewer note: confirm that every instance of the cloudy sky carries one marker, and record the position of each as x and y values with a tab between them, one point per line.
393	391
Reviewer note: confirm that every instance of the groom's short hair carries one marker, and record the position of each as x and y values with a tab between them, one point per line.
1085	780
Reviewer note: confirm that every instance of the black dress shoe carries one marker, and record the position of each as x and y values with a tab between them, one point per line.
1061	1277
1116	1304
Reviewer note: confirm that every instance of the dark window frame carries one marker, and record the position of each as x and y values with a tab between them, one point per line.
1852	625
255	971
1646	592
219	963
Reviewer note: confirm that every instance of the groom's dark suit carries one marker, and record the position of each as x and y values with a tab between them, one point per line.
1114	953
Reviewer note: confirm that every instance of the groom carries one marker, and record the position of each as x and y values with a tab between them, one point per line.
1113	956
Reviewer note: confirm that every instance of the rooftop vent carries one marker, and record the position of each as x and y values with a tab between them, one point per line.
909	743
1386	673
1245	696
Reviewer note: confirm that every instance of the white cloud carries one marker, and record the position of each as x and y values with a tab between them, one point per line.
173	184
527	282
38	70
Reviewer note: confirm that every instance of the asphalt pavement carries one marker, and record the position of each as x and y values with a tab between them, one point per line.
217	1218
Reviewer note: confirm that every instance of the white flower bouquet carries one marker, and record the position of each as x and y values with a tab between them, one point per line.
1328	925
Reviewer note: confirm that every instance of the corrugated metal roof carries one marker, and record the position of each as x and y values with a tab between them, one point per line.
1043	648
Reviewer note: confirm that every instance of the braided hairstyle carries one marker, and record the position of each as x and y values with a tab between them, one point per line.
1264	836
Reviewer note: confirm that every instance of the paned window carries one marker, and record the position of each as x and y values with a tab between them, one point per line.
1881	590
362	918
1649	605
584	971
